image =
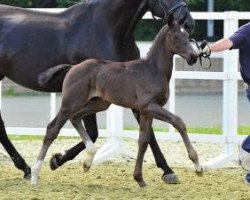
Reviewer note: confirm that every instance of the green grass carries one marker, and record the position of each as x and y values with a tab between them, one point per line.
242	130
37	137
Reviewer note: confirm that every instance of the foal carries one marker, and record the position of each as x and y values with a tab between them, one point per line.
93	85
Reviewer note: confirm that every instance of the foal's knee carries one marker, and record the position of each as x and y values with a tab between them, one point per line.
143	142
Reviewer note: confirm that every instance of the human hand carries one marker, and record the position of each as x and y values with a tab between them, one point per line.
205	49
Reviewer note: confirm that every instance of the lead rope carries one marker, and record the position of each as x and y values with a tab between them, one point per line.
203	54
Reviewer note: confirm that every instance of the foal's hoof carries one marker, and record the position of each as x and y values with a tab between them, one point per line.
199	172
86	166
170	178
54	161
142	184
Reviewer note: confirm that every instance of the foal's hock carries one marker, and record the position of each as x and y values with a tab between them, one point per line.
93	85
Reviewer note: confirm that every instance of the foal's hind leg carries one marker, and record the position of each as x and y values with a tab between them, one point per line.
90	147
160	113
15	156
168	176
52	132
58	159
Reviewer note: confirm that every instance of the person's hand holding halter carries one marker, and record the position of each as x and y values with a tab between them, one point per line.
204	51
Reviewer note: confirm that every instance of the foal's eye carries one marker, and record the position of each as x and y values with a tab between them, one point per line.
175	37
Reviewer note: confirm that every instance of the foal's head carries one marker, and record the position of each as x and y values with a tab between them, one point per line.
177	40
179	8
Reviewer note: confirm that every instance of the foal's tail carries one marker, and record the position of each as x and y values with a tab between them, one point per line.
47	76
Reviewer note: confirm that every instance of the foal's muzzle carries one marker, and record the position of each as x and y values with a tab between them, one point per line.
192	58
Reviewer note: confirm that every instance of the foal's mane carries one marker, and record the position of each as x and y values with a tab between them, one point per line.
159	40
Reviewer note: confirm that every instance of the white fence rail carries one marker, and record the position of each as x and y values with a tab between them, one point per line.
229	76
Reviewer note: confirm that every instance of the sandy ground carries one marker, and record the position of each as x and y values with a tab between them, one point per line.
114	180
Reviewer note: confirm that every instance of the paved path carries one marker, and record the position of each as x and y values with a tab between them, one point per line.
196	110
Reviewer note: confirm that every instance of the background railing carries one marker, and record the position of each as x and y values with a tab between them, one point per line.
229	76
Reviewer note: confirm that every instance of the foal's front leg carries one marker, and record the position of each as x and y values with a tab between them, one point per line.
156	111
144	137
168	175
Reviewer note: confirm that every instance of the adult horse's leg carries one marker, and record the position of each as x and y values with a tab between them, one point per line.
168	175
19	162
58	159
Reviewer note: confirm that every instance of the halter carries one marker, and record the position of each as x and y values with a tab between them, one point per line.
203	55
168	12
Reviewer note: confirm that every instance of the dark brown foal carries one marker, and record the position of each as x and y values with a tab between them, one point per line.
93	85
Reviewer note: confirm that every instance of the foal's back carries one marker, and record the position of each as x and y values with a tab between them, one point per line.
121	83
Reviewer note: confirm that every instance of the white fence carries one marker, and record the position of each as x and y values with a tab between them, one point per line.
229	76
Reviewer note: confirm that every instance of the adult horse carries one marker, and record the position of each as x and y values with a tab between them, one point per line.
32	42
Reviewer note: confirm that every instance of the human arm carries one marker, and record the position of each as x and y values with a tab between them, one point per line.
220	45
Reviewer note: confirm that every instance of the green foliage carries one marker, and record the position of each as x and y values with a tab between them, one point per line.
219	5
20	3
147	29
10	91
66	3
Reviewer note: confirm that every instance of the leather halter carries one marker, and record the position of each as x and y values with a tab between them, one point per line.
168	12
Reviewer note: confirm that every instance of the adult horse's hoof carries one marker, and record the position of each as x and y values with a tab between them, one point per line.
54	161
27	174
170	178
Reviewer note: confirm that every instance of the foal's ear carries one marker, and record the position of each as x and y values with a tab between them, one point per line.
171	20
183	19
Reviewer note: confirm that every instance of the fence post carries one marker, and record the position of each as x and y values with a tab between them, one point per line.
114	122
52	105
230	86
230	95
172	95
114	126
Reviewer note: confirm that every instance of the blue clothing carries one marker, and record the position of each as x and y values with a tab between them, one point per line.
248	93
241	41
246	144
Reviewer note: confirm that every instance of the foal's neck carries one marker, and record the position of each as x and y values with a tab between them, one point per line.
160	56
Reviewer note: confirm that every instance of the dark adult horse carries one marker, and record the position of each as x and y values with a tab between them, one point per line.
32	42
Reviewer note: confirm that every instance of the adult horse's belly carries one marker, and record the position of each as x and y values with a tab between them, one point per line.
29	78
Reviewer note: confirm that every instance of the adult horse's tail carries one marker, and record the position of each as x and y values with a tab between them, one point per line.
46	77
